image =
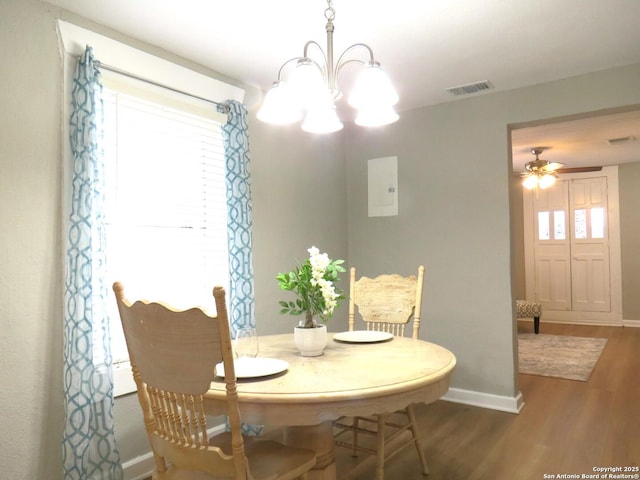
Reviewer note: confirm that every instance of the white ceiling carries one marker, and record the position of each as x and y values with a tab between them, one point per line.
610	139
425	46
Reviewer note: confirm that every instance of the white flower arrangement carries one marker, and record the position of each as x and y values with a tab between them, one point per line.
314	283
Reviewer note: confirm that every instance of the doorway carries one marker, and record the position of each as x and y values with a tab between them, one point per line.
572	248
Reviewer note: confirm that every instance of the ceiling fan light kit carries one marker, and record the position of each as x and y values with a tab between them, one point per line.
530	181
311	90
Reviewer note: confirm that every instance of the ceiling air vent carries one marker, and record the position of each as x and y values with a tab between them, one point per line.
617	141
470	88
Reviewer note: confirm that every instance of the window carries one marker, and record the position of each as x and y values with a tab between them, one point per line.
596	226
597	222
139	63
580	221
544	230
543	225
559	225
165	202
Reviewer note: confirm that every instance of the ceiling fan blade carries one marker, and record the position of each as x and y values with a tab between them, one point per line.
552	166
579	169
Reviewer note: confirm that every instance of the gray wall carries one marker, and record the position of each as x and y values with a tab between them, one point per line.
629	181
517	232
454	182
454	218
299	198
30	243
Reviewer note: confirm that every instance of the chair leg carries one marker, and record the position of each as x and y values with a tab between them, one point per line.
416	439
536	324
354	437
380	448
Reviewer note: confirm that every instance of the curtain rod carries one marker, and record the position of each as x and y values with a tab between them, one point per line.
167	87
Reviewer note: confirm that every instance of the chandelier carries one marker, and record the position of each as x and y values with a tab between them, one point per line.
311	89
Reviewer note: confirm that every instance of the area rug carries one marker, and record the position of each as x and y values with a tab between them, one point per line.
559	356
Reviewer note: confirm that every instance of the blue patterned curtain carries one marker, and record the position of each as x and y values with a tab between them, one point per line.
239	217
88	448
239	221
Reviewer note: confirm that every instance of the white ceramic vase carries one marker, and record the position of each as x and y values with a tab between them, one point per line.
310	341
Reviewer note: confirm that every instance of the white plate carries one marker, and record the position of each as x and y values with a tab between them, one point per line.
362	336
250	367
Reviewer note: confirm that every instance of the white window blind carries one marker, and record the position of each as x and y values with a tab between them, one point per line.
166	203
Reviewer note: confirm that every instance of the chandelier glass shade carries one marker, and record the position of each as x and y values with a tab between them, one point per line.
309	89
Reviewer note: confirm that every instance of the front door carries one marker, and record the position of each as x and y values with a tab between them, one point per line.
568	249
552	247
589	245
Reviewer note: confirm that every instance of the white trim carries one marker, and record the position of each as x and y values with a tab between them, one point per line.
581	318
141	467
485	400
131	60
621	323
138	468
547	320
123	382
631	323
163	96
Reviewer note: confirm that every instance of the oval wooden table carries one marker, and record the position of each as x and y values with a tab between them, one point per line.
348	379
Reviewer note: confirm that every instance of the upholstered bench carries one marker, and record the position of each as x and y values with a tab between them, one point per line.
526	309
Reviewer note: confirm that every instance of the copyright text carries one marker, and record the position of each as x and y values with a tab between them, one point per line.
599	473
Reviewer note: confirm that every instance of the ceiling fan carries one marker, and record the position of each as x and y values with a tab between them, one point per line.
543	173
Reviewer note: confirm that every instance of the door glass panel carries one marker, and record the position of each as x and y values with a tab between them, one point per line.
559	225
543	225
581	223
597	222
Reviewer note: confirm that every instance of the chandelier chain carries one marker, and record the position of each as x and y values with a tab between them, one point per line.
330	13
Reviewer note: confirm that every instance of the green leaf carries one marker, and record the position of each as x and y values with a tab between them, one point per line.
308	296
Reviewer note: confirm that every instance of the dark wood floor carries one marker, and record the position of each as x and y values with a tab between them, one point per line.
566	427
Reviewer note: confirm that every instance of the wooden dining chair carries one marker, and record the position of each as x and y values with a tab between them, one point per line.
173	357
386	303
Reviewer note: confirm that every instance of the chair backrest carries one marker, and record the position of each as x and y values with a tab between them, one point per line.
173	357
386	303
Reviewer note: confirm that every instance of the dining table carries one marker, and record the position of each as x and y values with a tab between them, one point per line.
358	374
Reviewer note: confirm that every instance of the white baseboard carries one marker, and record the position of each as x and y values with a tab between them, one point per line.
138	468
621	323
142	467
485	400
